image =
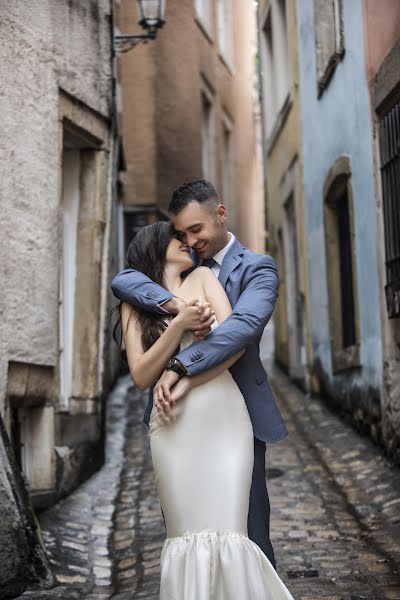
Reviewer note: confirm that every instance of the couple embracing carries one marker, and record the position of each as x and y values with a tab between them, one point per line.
211	410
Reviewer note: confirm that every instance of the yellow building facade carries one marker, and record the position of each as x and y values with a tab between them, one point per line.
283	182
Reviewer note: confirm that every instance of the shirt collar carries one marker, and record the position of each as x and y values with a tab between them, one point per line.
219	257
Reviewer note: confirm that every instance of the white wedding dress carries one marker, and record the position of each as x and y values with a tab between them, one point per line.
203	464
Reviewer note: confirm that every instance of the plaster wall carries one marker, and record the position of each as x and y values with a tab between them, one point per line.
161	85
336	124
381	31
43	47
52	54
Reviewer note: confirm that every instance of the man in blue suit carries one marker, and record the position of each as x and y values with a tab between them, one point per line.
251	283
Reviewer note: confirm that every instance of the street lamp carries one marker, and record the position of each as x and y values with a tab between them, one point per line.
151	18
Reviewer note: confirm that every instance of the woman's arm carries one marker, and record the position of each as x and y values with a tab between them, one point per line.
146	366
214	293
216	296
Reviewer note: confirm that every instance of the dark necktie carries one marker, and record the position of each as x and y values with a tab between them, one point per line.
209	262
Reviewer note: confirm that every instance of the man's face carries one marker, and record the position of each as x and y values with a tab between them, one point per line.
203	227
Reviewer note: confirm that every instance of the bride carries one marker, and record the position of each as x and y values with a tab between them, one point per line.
202	450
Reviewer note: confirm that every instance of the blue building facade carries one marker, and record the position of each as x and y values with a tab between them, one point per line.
336	148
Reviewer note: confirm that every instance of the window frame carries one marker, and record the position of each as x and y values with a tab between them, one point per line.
207	95
226	51
274	54
205	24
337	183
325	71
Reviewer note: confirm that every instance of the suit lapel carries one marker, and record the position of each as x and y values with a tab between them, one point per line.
232	259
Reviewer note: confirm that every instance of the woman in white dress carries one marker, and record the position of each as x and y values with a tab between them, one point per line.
203	454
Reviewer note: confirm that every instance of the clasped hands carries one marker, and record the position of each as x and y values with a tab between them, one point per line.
168	390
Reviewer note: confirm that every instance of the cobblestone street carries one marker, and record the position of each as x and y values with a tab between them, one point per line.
335	511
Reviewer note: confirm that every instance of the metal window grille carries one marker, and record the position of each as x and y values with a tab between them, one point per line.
346	272
389	142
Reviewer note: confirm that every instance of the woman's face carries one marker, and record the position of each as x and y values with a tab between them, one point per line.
178	253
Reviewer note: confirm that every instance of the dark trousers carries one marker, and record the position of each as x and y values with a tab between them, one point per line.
259	509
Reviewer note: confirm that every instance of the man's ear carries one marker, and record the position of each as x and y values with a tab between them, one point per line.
221	212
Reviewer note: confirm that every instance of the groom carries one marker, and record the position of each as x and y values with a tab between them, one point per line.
251	283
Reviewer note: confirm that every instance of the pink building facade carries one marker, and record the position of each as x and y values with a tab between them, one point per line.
382	63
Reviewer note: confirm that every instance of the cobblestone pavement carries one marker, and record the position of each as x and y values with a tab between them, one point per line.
335	505
335	511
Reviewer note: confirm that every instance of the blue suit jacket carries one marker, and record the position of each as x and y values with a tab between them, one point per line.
251	283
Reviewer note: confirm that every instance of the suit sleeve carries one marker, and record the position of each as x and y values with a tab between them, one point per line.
246	324
139	290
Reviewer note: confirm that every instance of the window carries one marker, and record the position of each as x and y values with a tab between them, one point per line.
225	32
207	134
282	50
135	218
340	267
329	39
346	271
268	74
274	62
203	14
228	192
389	141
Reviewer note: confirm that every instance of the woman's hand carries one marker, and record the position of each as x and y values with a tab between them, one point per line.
195	316
180	389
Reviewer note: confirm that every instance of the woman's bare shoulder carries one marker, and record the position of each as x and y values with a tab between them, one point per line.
194	283
201	273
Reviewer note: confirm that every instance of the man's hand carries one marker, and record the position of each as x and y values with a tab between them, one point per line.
206	317
162	397
206	314
180	389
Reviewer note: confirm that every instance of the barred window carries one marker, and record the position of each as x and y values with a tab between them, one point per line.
389	142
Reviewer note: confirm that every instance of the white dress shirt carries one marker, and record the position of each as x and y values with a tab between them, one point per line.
219	257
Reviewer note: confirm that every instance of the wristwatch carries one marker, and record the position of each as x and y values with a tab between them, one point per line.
175	365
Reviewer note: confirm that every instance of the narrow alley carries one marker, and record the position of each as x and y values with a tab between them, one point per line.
335	510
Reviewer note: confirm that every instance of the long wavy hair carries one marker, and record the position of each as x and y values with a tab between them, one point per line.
147	253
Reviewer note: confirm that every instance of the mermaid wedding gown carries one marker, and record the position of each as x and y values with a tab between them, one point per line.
203	464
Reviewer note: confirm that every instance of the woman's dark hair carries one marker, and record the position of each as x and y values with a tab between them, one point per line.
147	253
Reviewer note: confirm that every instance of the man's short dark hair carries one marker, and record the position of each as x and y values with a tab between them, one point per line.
197	190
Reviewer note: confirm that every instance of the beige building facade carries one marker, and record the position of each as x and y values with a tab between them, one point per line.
283	180
190	110
57	185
